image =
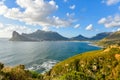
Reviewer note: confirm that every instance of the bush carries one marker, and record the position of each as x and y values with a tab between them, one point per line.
1	66
76	76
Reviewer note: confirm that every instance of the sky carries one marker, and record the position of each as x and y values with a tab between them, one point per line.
67	17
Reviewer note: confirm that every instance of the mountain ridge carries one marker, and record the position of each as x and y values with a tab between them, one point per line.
40	35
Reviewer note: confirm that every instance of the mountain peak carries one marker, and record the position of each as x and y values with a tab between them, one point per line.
15	34
79	37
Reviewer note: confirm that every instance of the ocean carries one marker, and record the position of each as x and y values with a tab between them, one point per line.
40	56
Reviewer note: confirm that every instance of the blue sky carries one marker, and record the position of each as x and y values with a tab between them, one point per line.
67	17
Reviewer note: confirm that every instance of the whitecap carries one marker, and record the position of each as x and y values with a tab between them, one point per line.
43	67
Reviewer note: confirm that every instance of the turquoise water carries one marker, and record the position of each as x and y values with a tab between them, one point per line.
40	56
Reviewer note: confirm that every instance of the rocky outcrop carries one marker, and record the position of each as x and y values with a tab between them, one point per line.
38	35
17	37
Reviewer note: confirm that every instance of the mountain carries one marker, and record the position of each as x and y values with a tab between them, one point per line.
17	37
102	64
80	38
113	39
100	36
38	35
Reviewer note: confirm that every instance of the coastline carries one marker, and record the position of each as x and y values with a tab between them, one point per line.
93	44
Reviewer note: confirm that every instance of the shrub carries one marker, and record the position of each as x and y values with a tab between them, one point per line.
1	66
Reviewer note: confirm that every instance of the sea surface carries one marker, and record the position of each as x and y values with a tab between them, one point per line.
40	56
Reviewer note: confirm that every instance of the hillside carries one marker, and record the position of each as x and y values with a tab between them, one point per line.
100	36
113	39
95	65
38	35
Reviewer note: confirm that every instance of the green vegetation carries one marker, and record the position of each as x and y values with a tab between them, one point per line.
95	65
18	73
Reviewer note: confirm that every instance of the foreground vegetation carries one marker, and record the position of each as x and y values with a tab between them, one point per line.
95	65
18	73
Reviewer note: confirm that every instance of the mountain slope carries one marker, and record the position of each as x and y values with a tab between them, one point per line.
100	36
45	35
95	65
113	39
39	35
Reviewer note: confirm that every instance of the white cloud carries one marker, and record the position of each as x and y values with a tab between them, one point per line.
7	29
89	27
118	29
70	15
102	21
2	1
1	26
77	26
36	12
110	2
110	21
45	29
119	8
72	7
65	0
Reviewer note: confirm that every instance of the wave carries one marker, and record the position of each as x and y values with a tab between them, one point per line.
44	67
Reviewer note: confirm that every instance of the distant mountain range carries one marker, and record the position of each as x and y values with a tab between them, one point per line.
96	37
79	38
40	35
101	36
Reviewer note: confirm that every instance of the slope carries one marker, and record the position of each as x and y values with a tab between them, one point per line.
96	65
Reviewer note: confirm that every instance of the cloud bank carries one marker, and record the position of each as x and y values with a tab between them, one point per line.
35	12
7	29
110	21
111	2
